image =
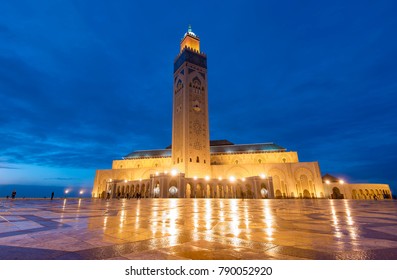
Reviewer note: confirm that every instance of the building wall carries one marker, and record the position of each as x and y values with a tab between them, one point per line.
159	163
358	191
254	158
289	178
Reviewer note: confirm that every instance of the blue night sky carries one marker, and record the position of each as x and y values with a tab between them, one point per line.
83	82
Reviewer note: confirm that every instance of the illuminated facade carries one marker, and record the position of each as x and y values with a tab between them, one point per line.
195	167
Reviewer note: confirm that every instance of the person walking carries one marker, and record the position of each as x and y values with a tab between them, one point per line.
52	195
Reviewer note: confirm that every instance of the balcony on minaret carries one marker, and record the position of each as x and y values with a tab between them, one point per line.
190	41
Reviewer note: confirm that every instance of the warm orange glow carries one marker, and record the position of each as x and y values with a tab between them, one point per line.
190	42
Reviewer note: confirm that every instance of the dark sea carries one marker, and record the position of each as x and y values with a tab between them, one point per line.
29	191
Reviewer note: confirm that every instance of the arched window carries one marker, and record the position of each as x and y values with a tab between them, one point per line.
196	83
197	159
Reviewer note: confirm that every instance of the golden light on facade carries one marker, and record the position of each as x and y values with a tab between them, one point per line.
207	178
263	176
195	178
232	179
174	172
243	179
220	178
327	182
157	174
341	182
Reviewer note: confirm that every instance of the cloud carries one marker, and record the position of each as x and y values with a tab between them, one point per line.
61	179
8	167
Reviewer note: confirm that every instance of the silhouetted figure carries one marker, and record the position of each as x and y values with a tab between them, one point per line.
108	195
13	194
52	195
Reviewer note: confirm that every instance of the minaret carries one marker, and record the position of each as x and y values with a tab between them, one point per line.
190	130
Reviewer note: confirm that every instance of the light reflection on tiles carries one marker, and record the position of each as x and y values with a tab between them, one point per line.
322	228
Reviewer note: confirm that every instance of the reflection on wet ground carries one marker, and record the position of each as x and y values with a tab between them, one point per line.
198	229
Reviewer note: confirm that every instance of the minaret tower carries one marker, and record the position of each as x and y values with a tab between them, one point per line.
190	130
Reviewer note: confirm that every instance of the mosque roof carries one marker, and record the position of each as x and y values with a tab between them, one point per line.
149	154
247	148
216	147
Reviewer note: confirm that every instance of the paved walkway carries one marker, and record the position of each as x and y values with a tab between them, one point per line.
197	229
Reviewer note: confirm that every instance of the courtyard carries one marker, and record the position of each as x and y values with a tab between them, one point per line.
198	229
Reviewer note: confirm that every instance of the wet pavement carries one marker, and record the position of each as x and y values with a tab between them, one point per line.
199	229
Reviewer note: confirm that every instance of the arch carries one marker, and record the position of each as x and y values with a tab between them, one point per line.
283	158
188	192
196	83
336	194
249	191
303	171
237	171
354	194
199	192
306	194
277	172
173	192
277	186
208	191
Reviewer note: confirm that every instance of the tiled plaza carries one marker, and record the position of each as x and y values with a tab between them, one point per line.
200	229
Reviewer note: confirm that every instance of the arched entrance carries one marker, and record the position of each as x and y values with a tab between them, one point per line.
336	193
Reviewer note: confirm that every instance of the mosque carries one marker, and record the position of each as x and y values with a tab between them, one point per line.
195	167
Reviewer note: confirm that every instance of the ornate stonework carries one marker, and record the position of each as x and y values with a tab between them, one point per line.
194	168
